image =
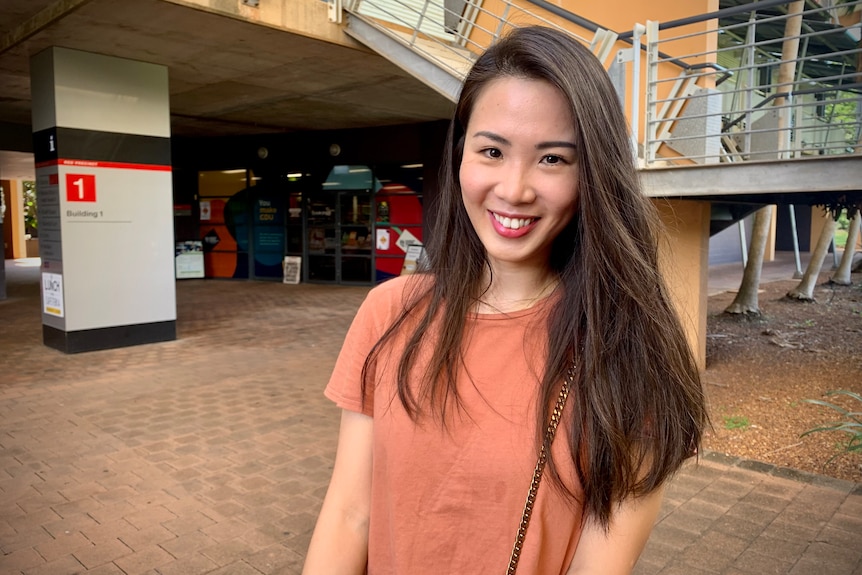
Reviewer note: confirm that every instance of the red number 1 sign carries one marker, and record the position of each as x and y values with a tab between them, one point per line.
80	188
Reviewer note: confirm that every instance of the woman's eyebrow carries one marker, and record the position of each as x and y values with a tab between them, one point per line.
555	144
494	137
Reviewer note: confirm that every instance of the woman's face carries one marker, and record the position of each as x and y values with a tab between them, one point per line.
518	172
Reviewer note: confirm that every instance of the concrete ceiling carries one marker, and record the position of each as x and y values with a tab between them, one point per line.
227	77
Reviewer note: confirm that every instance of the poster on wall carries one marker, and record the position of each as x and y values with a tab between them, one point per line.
382	239
206	210
52	294
406	239
413	259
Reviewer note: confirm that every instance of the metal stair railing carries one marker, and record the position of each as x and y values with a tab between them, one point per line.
818	112
452	33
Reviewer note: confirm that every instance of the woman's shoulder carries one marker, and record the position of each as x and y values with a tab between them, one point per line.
401	288
398	293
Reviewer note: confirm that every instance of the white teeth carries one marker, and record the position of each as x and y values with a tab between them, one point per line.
513	223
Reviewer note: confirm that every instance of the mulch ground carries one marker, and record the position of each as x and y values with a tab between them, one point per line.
762	370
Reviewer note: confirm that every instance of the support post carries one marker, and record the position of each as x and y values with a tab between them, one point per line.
101	140
798	273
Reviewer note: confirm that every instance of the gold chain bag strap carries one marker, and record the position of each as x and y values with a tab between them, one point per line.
540	467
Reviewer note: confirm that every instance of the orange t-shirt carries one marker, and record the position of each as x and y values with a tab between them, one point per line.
449	500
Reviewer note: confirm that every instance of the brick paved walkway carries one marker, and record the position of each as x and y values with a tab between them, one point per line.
210	454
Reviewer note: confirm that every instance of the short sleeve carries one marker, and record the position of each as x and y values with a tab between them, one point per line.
345	384
375	315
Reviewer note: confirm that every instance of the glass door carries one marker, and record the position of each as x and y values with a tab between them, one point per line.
321	244
294	234
340	227
354	254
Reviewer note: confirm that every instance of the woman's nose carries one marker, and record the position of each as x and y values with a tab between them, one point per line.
515	187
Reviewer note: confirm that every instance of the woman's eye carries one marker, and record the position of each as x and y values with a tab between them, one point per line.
492	153
552	159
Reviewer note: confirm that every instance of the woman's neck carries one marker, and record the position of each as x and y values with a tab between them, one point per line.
515	289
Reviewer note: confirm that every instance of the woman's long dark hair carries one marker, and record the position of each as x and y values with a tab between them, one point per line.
637	404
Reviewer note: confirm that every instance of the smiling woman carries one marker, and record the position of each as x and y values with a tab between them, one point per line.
541	308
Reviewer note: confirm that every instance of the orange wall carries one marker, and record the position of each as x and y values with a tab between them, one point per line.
622	15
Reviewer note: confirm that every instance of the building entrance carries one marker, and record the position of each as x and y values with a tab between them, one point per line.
353	228
339	237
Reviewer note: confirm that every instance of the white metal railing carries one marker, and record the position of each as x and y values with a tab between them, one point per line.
727	103
451	33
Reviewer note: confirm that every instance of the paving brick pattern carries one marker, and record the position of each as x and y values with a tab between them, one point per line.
211	454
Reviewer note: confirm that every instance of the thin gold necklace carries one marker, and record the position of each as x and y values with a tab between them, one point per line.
526	303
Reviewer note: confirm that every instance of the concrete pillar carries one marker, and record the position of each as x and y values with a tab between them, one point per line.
684	257
101	138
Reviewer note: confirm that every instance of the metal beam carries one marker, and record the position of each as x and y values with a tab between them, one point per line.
803	175
38	22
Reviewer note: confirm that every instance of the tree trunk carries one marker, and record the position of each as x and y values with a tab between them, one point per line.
805	290
842	274
746	301
787	72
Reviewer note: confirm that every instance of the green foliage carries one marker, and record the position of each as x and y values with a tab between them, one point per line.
841	115
840	239
850	423
843	221
841	229
31	223
841	208
736	422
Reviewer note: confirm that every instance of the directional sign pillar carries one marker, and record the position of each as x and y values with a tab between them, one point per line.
101	135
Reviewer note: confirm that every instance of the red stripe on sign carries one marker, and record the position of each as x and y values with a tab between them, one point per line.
100	164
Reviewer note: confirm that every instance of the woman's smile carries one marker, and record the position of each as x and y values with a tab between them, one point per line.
512	226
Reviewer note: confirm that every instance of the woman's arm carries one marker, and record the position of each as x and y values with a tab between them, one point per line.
339	544
616	551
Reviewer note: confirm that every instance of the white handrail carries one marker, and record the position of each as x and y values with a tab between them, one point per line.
738	100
